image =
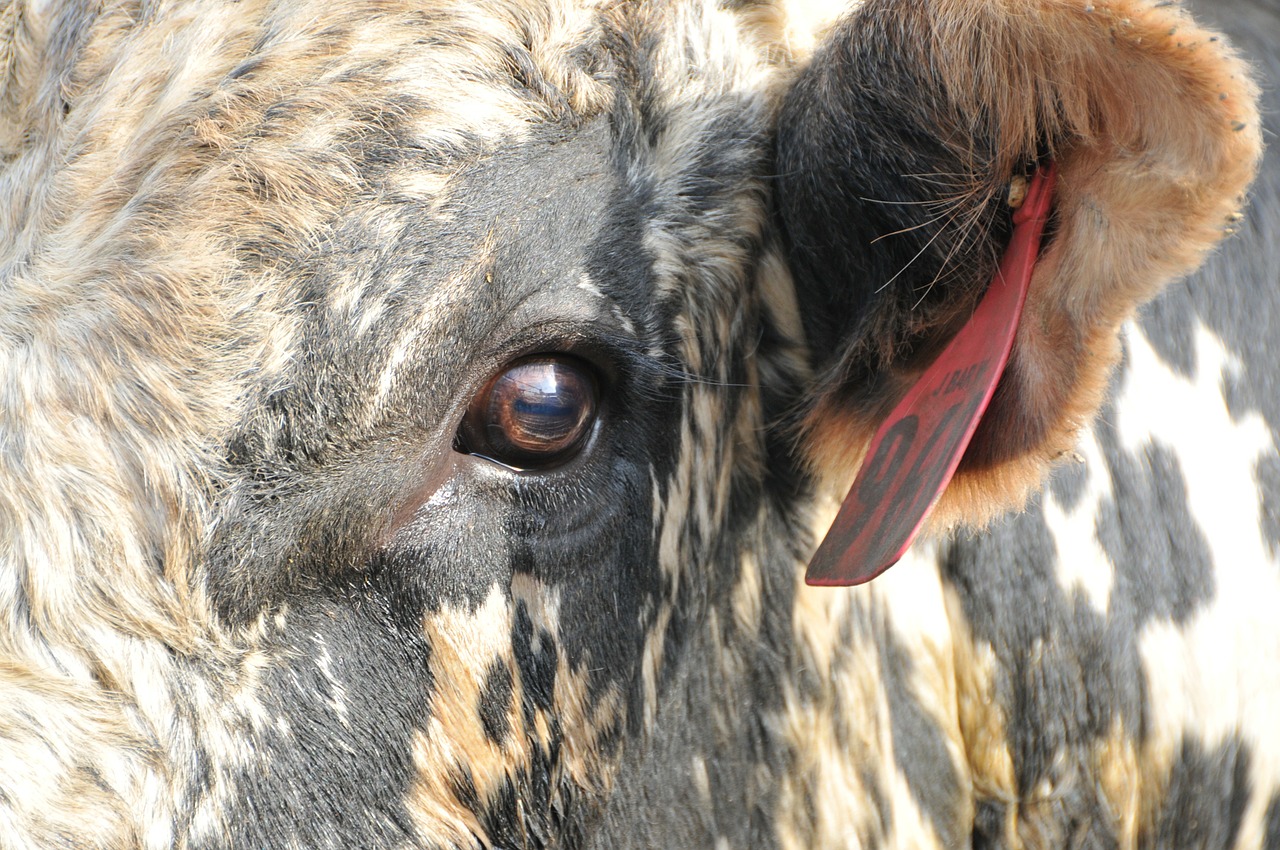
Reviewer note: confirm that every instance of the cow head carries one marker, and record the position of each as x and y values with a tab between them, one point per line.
405	406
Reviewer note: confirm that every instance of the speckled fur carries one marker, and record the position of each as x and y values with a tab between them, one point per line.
254	262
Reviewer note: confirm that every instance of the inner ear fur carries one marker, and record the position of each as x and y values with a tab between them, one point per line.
897	145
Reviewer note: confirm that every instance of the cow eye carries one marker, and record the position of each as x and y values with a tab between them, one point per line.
537	412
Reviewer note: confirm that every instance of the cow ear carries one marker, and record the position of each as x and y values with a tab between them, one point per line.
897	148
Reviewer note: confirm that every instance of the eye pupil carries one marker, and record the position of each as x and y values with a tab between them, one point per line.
536	412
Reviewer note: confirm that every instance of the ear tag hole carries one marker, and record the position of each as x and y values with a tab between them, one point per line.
916	451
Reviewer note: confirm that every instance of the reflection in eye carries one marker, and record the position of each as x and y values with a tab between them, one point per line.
536	413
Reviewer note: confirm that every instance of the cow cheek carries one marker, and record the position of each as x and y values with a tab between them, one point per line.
510	719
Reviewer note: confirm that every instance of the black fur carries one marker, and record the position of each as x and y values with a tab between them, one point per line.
860	175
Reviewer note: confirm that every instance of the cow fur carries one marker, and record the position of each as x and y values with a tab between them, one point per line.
257	258
1159	151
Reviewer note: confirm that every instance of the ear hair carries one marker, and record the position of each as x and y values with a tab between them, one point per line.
895	147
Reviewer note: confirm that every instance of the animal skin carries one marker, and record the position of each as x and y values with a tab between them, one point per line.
416	417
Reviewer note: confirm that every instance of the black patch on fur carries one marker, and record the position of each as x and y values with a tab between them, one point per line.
658	801
920	748
1171	331
528	813
1163	564
1068	483
1268	473
463	786
495	702
1066	675
1271	841
718	712
331	777
989	818
1206	798
537	666
314	476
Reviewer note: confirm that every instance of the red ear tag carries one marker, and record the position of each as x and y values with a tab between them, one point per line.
916	450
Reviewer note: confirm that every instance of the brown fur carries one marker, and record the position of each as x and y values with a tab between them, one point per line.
157	207
1153	124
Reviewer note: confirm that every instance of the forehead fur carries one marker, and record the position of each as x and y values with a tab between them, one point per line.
229	236
167	163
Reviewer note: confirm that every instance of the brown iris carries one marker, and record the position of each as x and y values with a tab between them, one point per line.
537	412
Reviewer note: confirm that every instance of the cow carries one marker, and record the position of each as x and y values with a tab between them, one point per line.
416	417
